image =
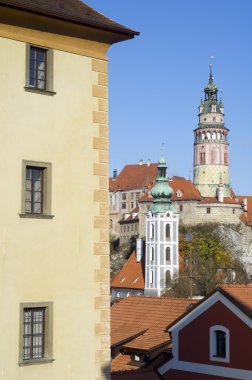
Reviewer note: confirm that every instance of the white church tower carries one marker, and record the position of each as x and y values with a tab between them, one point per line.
161	260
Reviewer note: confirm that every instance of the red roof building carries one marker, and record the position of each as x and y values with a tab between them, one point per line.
139	340
212	340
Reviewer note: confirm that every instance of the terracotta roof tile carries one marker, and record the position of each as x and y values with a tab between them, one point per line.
71	10
123	368
246	218
242	294
125	333
151	313
149	340
134	177
183	190
215	200
131	275
130	217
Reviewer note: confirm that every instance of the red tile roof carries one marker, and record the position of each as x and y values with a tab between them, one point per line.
151	313
183	190
130	217
247	219
71	10
134	177
131	275
225	200
241	295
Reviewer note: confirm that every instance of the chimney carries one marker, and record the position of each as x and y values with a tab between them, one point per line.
148	162
139	249
245	202
114	173
140	163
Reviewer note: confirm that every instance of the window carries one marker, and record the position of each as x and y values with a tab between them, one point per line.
39	69
123	205
152	257
219	343
180	208
168	278
168	231
138	195
152	231
38	63
132	205
233	210
128	294
208	210
34	330
35	333
36	189
118	294
124	196
202	158
151	276
168	255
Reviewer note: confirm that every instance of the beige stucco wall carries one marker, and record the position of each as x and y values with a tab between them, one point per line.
65	259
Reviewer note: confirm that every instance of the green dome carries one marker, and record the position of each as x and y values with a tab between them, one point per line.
161	192
161	189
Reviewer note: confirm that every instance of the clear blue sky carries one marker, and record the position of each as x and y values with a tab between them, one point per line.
156	80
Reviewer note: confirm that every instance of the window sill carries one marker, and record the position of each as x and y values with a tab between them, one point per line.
35	361
217	358
37	90
36	216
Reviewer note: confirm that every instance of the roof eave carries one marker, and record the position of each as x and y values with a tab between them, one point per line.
125	32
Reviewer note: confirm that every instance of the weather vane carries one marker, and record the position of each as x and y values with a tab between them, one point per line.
162	148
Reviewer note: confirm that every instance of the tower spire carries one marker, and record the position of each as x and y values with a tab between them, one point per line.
211	74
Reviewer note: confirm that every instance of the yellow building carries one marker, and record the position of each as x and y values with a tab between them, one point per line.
54	254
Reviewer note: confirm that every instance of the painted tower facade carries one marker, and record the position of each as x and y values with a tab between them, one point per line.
161	265
211	158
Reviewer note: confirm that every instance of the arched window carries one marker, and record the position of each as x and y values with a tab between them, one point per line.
226	158
152	231
168	231
202	158
152	256
168	255
219	344
118	294
128	294
168	278
151	276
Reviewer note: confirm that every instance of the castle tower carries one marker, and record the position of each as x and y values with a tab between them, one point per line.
161	262
211	145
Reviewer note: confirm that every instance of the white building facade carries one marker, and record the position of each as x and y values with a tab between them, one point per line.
161	261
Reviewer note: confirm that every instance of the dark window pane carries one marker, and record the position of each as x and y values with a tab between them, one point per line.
38	62
33	339
34	190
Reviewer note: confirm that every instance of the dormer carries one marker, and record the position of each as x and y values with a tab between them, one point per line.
179	193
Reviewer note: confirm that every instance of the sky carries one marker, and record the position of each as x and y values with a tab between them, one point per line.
156	81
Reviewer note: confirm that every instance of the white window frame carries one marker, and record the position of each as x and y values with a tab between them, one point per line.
213	355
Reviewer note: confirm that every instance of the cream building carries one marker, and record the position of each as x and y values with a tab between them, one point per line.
54	252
